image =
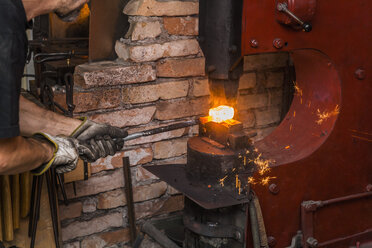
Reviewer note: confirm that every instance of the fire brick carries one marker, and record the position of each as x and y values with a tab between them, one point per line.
150	93
270	116
136	157
168	110
247	81
144	30
181	67
87	101
123	118
181	25
154	52
109	73
95	225
170	148
274	79
200	88
265	61
106	239
252	101
157	8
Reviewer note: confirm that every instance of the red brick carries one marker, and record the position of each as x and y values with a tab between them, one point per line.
167	110
89	205
109	73
86	101
136	157
129	117
97	184
158	207
161	8
265	61
73	210
117	198
153	52
95	225
143	175
170	148
181	67
181	25
154	92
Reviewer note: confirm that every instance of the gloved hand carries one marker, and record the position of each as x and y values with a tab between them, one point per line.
98	140
65	156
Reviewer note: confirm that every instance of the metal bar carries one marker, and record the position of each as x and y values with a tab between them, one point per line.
160	237
353	236
161	129
62	186
53	207
129	196
254	225
39	187
345	198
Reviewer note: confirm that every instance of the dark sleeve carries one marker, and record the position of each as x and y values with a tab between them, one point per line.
13	47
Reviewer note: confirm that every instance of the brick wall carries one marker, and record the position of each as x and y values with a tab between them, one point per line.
157	80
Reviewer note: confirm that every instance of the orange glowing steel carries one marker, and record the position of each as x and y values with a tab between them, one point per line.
221	113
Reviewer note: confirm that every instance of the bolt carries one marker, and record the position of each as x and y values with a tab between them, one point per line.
254	43
271	241
274	189
360	74
312	242
369	187
278	43
238	235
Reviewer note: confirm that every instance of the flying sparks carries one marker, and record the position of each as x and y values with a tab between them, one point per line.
251	180
322	116
222	181
262	164
266	180
297	89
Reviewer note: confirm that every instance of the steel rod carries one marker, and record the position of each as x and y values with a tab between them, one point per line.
129	196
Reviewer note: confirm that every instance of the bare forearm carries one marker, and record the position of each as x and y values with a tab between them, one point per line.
33	118
20	154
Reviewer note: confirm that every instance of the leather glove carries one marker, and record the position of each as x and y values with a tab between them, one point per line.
98	140
65	156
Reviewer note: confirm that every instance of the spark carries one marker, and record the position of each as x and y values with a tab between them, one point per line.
236	181
265	181
301	100
294	113
245	160
298	90
255	149
247	152
322	116
251	180
263	164
209	186
290	127
309	104
222	181
240	189
287	147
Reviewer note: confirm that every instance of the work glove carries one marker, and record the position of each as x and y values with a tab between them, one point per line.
65	156
98	140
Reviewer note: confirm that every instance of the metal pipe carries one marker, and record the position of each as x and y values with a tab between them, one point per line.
161	129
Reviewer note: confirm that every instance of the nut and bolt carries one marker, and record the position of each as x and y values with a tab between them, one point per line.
254	43
312	242
369	188
271	241
360	74
274	189
278	43
237	235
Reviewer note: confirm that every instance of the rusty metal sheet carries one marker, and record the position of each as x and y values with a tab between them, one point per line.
107	24
331	159
208	198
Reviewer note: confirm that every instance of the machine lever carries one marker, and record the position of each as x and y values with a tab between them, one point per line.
282	7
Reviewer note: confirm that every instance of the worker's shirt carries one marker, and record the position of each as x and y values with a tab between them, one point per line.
13	49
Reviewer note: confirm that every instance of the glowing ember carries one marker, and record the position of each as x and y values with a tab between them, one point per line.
266	180
251	180
221	113
222	181
325	115
263	164
298	90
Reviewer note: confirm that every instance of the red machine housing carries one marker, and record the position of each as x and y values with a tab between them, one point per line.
323	163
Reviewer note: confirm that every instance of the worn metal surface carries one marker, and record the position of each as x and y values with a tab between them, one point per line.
207	197
326	157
